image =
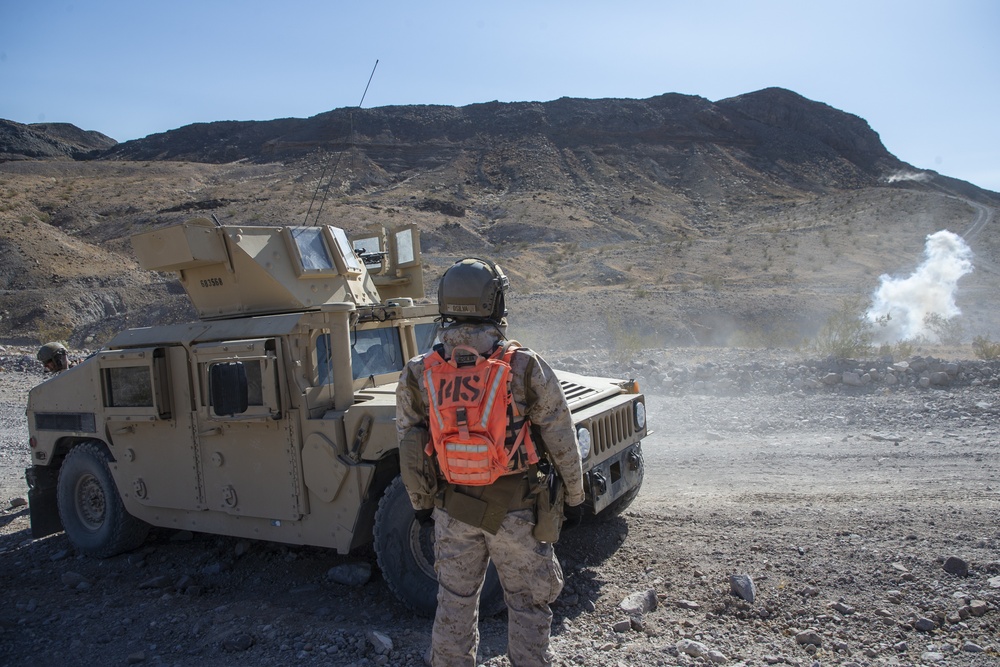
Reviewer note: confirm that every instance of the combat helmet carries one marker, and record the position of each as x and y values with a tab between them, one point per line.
53	352
473	289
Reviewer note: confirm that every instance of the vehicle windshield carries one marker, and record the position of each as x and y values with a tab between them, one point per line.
374	352
426	336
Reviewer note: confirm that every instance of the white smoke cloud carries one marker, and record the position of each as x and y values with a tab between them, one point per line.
929	290
908	176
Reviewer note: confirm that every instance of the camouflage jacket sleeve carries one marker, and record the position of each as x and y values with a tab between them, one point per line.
546	407
416	468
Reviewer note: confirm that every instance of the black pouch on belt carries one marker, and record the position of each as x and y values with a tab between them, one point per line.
549	510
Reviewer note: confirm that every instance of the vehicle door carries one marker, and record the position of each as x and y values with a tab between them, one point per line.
249	460
146	399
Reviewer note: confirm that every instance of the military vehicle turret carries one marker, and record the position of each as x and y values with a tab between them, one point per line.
272	416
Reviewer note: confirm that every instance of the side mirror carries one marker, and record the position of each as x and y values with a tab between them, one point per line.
228	388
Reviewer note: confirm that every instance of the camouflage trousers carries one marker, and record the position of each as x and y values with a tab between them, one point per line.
530	576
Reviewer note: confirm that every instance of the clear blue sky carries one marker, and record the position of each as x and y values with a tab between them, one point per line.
925	75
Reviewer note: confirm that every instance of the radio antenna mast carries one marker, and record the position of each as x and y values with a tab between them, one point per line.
319	184
368	84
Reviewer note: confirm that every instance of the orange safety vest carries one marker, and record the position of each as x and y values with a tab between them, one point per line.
472	416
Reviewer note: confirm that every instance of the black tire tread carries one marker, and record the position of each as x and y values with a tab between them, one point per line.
126	532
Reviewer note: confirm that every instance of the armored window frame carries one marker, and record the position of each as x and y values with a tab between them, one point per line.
261	361
135	383
321	252
405	246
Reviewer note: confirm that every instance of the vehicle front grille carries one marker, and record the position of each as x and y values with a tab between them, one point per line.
611	428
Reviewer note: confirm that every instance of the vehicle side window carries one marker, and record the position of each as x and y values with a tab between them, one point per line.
135	382
128	387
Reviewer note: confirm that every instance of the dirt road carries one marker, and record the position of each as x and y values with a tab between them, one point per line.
841	507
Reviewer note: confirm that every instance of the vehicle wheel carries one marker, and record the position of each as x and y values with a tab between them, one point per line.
619	505
405	553
91	511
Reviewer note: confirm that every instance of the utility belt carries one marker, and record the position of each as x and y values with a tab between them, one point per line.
487	506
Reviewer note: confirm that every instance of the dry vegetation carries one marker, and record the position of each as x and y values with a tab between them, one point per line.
668	272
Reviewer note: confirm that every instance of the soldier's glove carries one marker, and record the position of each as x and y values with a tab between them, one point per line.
424	517
574	514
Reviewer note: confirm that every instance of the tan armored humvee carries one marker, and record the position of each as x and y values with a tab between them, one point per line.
272	417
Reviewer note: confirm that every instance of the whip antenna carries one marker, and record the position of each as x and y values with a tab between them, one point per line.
319	184
368	84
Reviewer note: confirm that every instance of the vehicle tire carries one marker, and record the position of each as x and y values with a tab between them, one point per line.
619	505
91	511
405	552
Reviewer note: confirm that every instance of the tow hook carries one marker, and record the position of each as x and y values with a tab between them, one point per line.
634	460
598	483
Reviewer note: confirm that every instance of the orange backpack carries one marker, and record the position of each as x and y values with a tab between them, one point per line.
470	411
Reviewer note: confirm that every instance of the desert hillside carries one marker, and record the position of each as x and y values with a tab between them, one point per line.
672	220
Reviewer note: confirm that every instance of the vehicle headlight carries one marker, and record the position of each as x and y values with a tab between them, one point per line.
640	414
584	440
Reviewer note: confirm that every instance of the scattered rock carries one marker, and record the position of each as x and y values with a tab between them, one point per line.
844	609
692	648
978	608
956	566
380	642
622	626
809	637
238	642
350	574
742	586
639	603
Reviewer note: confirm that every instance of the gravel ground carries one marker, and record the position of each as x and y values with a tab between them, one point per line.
863	512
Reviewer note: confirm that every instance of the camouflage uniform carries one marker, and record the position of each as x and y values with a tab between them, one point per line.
529	571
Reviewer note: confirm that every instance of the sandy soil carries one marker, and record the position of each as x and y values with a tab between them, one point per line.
841	506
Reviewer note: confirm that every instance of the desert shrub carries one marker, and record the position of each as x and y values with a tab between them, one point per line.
985	349
948	330
899	350
846	333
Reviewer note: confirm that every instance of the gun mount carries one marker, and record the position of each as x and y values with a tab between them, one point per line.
235	271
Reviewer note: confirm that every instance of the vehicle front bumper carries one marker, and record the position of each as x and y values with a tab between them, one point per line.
612	478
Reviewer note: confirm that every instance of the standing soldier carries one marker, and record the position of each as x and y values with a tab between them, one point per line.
53	357
500	510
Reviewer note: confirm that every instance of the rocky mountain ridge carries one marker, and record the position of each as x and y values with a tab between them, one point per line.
683	220
49	140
